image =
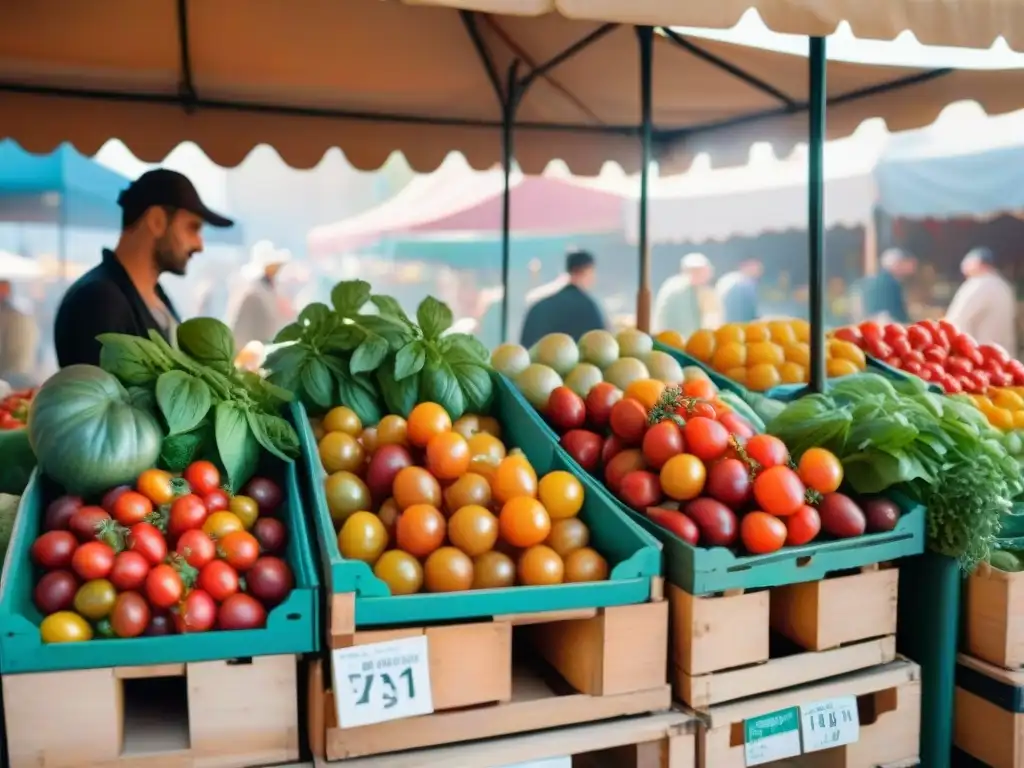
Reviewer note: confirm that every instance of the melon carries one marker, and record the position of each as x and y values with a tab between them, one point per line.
625	371
557	351
598	348
692	372
583	378
663	367
537	383
510	359
634	343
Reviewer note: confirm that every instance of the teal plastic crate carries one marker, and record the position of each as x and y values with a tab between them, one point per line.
701	570
633	555
292	627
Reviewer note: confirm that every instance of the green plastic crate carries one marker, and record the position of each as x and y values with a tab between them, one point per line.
702	571
292	626
633	555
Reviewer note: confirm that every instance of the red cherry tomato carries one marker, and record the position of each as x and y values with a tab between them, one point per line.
86	521
216	501
130	616
870	331
240	549
203	477
164	586
54	549
147	540
132	507
129	571
219	579
196	547
919	337
187	512
241	611
767	450
93	560
802	526
196	613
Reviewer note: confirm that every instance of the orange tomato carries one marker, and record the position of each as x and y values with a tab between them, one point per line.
425	421
414	485
342	419
682	478
447	455
645	391
779	491
400	571
567	535
585	564
448	570
762	533
340	452
420	530
471	424
485	447
524	522
821	470
702	388
471	488
493	570
561	494
473	529
540	566
368	439
514	476
392	430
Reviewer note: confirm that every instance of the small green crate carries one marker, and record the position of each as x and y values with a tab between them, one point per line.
292	626
702	571
633	555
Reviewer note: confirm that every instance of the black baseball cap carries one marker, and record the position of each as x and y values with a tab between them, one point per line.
577	260
166	188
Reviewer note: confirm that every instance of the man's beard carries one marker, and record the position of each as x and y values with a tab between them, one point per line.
167	260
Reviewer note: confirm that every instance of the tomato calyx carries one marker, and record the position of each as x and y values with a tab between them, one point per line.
813	498
752	464
180	487
188	573
113	534
673	406
159	517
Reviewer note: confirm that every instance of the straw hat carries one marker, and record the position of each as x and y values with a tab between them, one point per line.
262	257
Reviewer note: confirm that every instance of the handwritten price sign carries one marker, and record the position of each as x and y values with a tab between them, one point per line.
382	681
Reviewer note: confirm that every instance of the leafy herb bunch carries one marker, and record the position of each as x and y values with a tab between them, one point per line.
366	353
210	408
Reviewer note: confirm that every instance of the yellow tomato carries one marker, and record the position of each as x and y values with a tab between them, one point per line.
757	332
764	352
730	332
801	329
1001	419
1018	419
837	366
792	373
763	376
845	350
342	419
739	375
727	356
701	345
1005	398
561	494
799	353
672	339
645	391
782	332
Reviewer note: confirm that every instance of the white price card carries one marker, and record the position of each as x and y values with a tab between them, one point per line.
382	681
772	736
830	723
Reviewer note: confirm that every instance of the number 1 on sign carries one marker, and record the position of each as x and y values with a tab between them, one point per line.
363	683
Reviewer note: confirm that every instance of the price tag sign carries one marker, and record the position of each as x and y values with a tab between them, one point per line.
830	723
382	681
774	736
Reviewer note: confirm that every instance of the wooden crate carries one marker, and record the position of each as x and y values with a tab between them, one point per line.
213	714
739	644
888	702
610	662
994	611
989	713
658	740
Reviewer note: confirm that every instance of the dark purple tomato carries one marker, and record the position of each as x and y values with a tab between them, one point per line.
111	497
160	623
841	517
386	462
59	512
54	549
882	515
130	616
55	592
715	521
269	580
266	493
271	534
729	482
241	611
86	521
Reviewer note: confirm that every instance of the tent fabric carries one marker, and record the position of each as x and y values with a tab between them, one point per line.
965	23
967	174
717	205
372	77
455	198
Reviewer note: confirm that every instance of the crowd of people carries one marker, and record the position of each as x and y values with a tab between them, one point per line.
162	221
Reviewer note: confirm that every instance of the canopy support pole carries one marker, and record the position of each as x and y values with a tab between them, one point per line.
645	36
815	211
508	119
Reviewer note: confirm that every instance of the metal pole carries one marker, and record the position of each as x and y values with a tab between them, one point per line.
62	223
815	220
643	302
507	156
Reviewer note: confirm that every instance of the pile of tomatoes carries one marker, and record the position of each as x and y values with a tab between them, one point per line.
171	555
936	351
14	409
440	507
678	455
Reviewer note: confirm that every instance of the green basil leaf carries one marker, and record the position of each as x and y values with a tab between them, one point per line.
477	385
317	382
369	355
393	331
439	385
207	340
275	434
358	394
400	396
184	400
236	445
409	360
388	306
284	366
315	317
291	332
467	344
134	361
178	451
349	296
343	338
434	317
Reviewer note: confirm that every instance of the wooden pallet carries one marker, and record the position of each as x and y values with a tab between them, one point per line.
214	714
739	644
994	617
580	666
888	701
988	725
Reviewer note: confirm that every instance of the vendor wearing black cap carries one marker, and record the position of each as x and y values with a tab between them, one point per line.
161	228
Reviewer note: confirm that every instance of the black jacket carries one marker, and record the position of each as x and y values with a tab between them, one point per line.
103	300
570	311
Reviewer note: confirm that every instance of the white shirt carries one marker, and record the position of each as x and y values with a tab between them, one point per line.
986	308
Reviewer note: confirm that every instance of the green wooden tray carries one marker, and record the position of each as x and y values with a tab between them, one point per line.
633	554
701	570
292	627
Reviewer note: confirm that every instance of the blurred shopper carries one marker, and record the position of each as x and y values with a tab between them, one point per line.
880	297
678	306
161	230
570	310
257	311
19	336
737	292
985	305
